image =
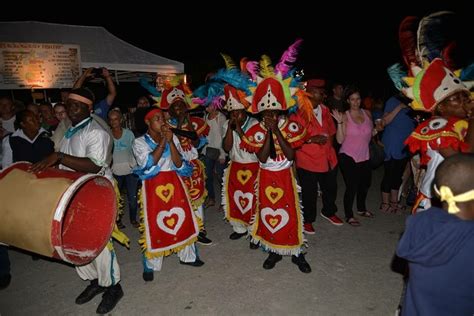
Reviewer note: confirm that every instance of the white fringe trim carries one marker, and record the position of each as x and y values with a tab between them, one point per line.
224	201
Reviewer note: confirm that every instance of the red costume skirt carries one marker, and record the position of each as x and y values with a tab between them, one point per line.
170	223
278	225
239	191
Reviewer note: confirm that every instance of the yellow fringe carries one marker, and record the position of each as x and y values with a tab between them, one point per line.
110	245
168	252
120	236
196	203
120	203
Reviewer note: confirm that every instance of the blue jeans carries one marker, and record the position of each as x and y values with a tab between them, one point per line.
131	183
212	165
4	261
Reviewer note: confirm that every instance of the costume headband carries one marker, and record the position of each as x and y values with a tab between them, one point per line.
80	98
446	195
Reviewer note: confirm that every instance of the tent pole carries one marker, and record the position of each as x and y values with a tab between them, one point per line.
116	78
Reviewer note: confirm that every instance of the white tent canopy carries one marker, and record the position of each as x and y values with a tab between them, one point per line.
99	48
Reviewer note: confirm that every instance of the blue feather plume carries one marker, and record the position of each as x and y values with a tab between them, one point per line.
235	78
151	89
210	92
397	74
467	74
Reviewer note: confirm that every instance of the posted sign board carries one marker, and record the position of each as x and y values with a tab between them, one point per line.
38	65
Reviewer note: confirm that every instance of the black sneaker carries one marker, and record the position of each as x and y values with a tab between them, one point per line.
197	263
148	276
111	297
235	236
301	262
5	281
271	261
90	292
203	240
253	246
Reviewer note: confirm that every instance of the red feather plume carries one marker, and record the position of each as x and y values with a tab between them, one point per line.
408	40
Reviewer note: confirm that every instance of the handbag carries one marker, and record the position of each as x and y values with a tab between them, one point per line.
212	153
377	154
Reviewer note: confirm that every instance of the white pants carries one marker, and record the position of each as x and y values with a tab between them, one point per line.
200	213
239	227
188	254
105	268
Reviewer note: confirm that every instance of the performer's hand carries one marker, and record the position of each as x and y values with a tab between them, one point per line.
167	133
270	123
49	161
239	129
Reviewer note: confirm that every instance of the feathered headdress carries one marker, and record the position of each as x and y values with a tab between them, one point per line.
428	47
174	89
432	85
277	88
227	88
436	38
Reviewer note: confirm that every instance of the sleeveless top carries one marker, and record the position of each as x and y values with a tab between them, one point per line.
358	136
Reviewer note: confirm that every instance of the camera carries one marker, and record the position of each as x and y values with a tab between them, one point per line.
97	72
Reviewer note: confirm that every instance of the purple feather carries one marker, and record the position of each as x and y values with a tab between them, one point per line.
199	101
252	68
216	103
288	58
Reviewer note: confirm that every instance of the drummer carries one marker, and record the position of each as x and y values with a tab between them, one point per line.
87	147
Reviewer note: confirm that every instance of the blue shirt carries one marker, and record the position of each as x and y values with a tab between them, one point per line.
101	109
397	131
439	248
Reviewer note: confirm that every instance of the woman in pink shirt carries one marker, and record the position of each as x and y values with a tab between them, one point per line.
354	131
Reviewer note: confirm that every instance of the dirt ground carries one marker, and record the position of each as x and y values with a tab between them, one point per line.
351	275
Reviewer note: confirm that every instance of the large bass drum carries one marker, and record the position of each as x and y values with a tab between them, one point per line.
56	213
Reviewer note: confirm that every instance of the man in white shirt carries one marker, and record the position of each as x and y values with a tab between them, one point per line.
87	147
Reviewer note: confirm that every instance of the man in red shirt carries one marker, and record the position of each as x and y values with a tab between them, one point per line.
316	160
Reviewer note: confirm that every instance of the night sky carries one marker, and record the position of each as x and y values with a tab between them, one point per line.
348	43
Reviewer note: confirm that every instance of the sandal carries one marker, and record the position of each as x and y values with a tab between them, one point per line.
353	222
396	208
384	208
366	214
